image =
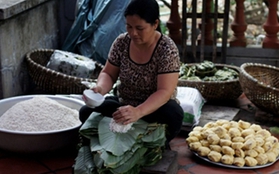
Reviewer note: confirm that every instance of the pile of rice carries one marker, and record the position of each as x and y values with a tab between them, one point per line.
39	114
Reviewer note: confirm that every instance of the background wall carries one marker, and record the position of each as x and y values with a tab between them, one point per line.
24	26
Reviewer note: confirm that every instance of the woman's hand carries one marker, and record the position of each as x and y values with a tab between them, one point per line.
97	89
126	114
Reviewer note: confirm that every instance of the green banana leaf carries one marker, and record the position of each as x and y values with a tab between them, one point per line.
131	162
90	126
111	141
119	153
98	161
95	144
151	157
84	161
113	161
156	138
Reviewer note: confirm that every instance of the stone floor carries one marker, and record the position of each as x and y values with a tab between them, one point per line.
188	163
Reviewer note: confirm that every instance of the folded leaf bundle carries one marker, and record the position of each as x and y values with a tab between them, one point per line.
113	152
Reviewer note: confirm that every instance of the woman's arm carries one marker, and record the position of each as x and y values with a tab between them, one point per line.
106	78
165	87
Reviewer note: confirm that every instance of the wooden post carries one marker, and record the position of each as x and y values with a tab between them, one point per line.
174	23
239	26
208	24
271	26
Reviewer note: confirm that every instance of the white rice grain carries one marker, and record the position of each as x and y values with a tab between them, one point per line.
119	128
39	114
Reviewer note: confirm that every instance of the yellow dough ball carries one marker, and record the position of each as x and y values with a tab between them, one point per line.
220	131
195	134
238	139
215	147
264	133
272	139
213	138
205	143
195	146
210	124
214	156
262	159
226	137
271	156
239	153
239	161
237	145
227	159
203	151
260	141
226	126
234	124
224	142
249	144
268	146
244	124
206	132
251	153
247	132
234	132
228	150
259	149
250	161
255	127
192	139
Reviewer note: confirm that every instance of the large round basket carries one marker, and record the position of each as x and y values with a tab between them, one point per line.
260	84
216	90
53	82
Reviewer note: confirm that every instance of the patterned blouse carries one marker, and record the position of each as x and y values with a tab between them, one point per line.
139	81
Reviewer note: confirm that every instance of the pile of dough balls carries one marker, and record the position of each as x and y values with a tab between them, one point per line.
238	143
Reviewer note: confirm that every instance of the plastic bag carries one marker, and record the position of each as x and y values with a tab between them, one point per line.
191	102
97	24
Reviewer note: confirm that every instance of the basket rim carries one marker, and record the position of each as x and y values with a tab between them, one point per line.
214	82
249	64
44	68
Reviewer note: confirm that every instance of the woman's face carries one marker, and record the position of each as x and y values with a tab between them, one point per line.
139	30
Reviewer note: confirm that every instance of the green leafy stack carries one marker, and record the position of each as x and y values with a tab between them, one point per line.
124	153
206	71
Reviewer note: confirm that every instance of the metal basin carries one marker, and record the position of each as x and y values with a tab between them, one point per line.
37	142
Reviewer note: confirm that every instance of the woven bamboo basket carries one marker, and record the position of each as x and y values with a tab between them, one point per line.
216	90
260	84
53	82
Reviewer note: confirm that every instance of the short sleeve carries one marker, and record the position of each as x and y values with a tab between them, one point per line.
169	59
116	50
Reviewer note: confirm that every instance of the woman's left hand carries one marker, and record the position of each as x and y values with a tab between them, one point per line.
126	114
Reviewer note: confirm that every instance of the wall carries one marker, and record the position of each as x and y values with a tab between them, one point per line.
25	25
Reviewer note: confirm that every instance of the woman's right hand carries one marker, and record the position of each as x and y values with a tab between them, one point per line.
97	89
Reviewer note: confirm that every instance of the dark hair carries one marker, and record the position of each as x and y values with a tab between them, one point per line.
145	9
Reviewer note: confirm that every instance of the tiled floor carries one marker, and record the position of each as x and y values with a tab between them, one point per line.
61	163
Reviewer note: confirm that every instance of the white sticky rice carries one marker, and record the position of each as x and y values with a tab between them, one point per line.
119	128
39	114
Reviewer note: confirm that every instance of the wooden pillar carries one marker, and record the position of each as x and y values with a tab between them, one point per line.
208	39
239	26
271	26
174	23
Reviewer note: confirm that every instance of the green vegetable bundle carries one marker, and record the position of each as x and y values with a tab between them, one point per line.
206	71
124	153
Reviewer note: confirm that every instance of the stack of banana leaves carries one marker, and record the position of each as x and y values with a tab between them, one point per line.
125	153
206	71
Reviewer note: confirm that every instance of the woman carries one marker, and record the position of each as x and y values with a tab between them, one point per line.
147	64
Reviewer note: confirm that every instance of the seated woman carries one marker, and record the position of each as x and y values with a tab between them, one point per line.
147	63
